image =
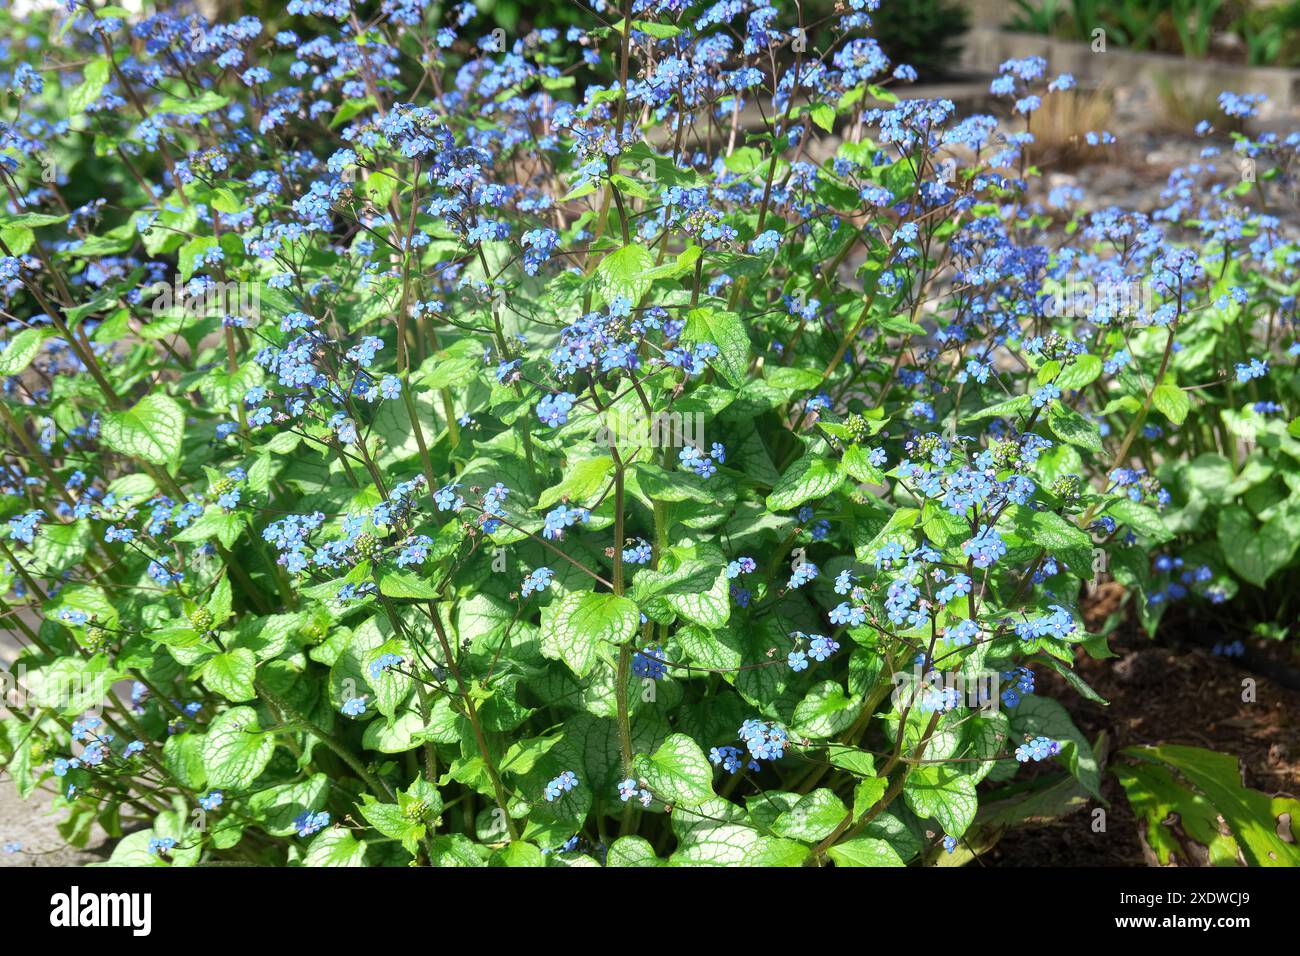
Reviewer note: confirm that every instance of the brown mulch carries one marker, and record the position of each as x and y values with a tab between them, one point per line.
1170	689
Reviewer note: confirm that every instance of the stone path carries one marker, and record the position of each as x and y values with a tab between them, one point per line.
30	822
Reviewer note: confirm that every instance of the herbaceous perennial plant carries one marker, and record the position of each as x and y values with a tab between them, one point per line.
649	442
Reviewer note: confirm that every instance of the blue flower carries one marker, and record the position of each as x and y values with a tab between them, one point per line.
985	548
803	573
765	741
1040	748
741	566
23	527
1046	395
536	580
848	615
553	410
639	553
307	822
629	788
384	663
561	785
1239	105
557	519
820	648
731	759
649	663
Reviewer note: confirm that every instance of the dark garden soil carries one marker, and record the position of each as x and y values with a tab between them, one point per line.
1170	689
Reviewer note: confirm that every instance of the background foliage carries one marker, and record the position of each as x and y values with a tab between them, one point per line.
353	370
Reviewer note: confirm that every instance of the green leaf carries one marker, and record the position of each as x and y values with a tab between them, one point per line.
867	794
391	685
1057	537
744	160
226	527
95	78
191	251
1255	552
519	853
727	332
1143	520
60	546
205	102
678	772
30	220
523	756
21	349
812	818
224	200
824	116
1072	427
151	431
857	762
19	239
739	846
395	738
865	851
454	850
660	31
1079	373
632	851
404	583
277	807
231	674
220	601
183	758
656	484
942	794
235	750
389	820
1172	402
825	711
583	479
1071	677
86	598
710	606
807	479
1210	475
620	274
1005	409
335	847
857	466
1204	790
576	628
688	577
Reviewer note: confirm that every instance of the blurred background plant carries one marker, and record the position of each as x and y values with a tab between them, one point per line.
927	34
1061	124
1252	32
